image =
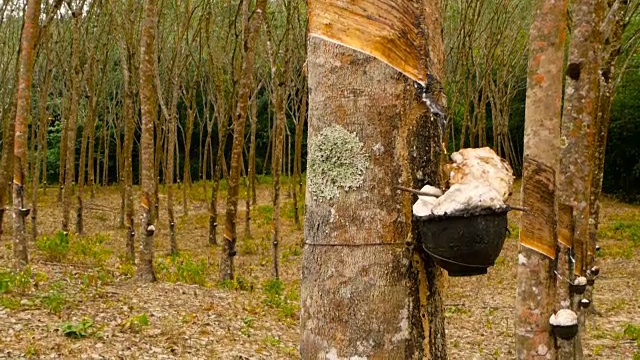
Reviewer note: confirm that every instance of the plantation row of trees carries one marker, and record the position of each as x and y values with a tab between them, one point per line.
83	116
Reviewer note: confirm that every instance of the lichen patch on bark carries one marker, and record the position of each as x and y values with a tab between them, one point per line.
337	162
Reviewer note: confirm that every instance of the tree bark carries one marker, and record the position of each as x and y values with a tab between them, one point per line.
536	278
144	271
231	211
70	158
355	252
297	162
613	28
578	131
129	129
252	147
23	108
41	140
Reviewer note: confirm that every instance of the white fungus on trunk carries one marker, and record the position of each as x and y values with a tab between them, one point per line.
478	178
564	317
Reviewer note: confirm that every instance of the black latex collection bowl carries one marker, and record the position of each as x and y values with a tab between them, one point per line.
578	289
565	332
464	244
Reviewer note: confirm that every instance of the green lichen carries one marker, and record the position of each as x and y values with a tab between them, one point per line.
337	162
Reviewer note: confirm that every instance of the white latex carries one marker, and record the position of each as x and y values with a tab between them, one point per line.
481	165
478	178
563	317
467	196
581	280
424	205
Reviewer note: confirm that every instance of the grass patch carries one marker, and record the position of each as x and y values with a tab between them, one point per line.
19	281
264	214
271	341
286	303
54	248
77	330
239	283
54	301
293	250
621	230
90	249
181	268
632	332
136	323
61	247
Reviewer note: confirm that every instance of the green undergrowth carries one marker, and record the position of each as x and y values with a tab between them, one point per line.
61	247
182	268
285	301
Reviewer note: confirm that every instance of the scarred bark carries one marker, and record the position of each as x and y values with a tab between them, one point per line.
536	279
23	108
578	131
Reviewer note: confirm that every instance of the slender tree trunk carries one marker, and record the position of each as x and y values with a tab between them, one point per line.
171	132
144	271
252	147
105	144
90	123
160	136
276	167
7	162
40	154
231	211
63	145
297	162
23	106
129	129
91	182
613	29
536	278
186	177
213	207
70	159
578	131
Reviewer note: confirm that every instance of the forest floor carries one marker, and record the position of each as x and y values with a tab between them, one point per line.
78	300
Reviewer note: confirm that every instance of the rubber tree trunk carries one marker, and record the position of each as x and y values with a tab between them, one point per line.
90	123
365	139
276	169
172	133
129	129
63	145
70	158
40	155
613	28
536	259
231	211
144	270
297	162
582	80
252	148
23	107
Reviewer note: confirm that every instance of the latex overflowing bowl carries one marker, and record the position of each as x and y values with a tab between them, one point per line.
464	227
